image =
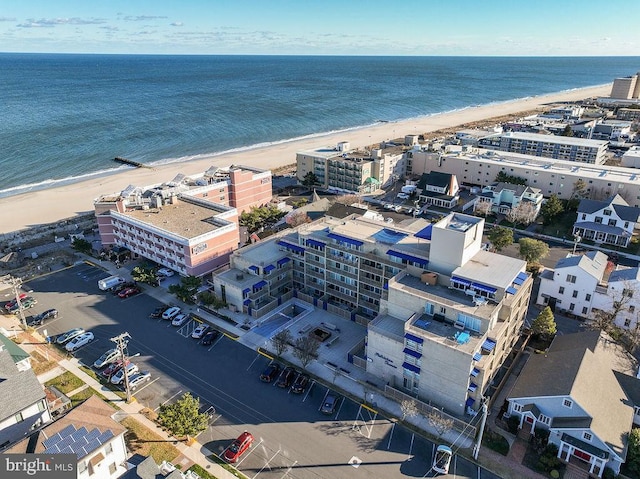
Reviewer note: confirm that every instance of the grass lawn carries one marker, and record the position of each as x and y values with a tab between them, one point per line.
142	440
66	382
81	396
101	380
224	465
41	364
496	442
562	225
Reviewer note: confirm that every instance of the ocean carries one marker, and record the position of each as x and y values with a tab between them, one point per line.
65	117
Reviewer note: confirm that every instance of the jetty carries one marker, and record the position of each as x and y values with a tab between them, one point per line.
126	161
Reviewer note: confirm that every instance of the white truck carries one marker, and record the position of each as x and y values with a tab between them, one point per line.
110	282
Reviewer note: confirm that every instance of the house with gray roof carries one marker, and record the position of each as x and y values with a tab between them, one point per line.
23	404
505	196
571	286
611	221
141	467
583	392
438	189
623	288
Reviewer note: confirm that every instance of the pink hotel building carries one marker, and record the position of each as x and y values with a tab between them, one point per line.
189	224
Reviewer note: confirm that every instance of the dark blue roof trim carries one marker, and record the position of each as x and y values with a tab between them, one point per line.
291	246
345	239
269	268
312	242
282	261
413	338
411	367
408	257
413	353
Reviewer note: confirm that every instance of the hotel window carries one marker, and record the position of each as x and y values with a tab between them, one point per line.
587	436
587	297
584	310
567	403
572	306
575	293
561	290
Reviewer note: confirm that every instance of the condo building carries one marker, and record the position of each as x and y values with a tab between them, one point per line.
579	150
342	169
442	314
189	224
626	88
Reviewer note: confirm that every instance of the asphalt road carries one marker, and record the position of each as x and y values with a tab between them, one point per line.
293	438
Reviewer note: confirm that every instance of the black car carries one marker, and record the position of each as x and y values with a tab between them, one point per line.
270	373
210	337
287	377
300	384
42	317
157	313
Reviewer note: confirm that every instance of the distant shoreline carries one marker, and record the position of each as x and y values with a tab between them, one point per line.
43	204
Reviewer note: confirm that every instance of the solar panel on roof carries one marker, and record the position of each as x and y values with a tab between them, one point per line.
105	436
67	431
93	434
92	446
79	433
67	450
47	443
65	442
53	449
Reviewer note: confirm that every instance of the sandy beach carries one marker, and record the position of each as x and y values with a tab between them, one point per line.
52	205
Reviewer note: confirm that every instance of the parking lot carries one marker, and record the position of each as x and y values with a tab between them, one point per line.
293	438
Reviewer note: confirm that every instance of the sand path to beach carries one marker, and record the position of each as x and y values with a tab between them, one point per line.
52	205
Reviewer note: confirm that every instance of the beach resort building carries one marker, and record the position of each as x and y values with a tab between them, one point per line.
442	313
566	148
477	167
572	284
626	88
189	224
611	221
628	114
345	170
90	433
583	390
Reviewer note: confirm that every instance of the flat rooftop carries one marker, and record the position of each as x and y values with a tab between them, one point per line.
565	140
447	334
491	269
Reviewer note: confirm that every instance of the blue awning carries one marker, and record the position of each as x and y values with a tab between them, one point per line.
470	402
477	357
282	261
408	257
291	246
474	372
523	276
411	337
472	387
424	233
254	268
411	367
518	281
268	268
319	244
488	345
246	302
511	290
455	279
413	353
345	239
482	287
259	284
246	290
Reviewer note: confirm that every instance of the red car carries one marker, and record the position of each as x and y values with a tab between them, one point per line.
12	304
239	446
113	368
125	293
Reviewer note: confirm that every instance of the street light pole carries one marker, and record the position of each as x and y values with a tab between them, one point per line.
16	283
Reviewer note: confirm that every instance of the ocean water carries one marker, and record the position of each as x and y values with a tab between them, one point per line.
65	117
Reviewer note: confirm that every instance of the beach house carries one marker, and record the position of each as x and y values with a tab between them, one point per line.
611	221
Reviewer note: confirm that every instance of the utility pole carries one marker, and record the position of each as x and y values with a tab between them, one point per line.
16	283
483	421
121	343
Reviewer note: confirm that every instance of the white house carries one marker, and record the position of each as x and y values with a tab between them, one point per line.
90	432
611	221
571	285
505	196
584	392
623	287
438	189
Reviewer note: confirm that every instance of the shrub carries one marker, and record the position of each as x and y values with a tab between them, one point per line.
513	423
608	473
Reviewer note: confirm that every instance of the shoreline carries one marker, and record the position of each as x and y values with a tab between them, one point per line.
49	205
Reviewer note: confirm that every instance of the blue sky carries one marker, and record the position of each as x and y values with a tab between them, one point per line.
324	27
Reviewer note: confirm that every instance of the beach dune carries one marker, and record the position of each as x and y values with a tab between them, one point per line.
52	205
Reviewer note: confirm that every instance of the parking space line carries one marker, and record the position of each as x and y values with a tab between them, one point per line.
289	469
266	464
339	409
148	384
248	453
413	436
309	390
165	402
393	427
257	357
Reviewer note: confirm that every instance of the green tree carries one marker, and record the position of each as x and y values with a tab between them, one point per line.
551	208
81	245
182	418
533	250
144	274
545	324
281	341
567	131
632	465
306	349
500	237
187	289
310	179
502	177
578	193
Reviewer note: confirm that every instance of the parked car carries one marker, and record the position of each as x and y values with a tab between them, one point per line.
270	373
442	459
330	403
116	289
157	313
8	306
287	377
180	319
409	211
171	313
26	303
210	337
79	341
125	293
138	379
69	335
42	317
238	448
118	377
398	208
166	272
403	196
106	358
113	368
300	384
200	331
388	206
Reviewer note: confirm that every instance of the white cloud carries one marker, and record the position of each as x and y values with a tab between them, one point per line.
142	18
176	24
52	22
